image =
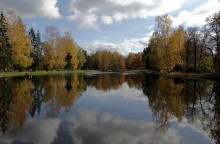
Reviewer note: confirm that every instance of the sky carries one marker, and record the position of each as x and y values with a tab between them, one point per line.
115	25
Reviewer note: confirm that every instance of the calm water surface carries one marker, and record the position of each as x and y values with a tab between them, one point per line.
109	108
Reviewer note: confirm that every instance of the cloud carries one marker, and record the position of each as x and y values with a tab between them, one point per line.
38	131
124	47
197	16
93	13
124	91
93	126
32	8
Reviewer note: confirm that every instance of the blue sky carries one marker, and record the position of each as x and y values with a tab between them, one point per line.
115	25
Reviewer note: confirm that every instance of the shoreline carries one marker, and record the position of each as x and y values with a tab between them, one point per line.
212	76
35	73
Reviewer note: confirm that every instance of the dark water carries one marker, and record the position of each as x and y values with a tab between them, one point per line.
108	109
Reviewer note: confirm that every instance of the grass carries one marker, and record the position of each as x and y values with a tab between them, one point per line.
60	72
54	72
211	76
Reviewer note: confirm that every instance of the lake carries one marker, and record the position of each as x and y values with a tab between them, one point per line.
109	108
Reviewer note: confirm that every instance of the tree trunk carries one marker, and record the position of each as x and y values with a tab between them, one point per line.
194	54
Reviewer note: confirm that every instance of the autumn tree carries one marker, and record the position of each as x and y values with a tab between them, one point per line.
5	46
137	62
176	49
51	36
115	61
71	48
104	59
20	42
214	34
163	28
122	62
151	54
166	46
130	60
49	56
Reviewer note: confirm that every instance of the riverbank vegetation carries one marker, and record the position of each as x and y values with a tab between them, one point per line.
170	49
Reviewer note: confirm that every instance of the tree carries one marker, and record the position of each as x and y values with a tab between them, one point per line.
130	60
50	47
176	49
151	54
5	46
52	35
138	62
71	48
104	59
20	42
163	30
165	50
68	60
37	53
122	62
81	56
214	34
115	61
49	56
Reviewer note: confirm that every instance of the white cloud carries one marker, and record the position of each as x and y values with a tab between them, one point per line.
38	131
107	20
93	126
124	91
109	11
32	8
124	47
197	16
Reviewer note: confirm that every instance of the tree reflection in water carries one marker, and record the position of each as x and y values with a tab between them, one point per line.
168	99
196	100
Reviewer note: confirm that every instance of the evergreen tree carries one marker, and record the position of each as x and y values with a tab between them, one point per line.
68	60
5	47
37	53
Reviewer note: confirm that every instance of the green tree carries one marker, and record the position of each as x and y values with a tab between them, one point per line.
68	60
37	53
5	46
81	56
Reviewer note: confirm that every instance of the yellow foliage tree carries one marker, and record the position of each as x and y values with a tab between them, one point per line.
70	47
20	42
64	46
49	56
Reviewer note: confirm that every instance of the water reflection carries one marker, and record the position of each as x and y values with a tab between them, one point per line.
140	108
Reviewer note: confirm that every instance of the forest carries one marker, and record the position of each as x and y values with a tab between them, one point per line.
170	49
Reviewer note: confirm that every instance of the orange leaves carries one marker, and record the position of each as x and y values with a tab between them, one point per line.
20	43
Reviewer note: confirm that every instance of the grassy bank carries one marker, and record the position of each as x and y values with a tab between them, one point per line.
214	76
54	72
